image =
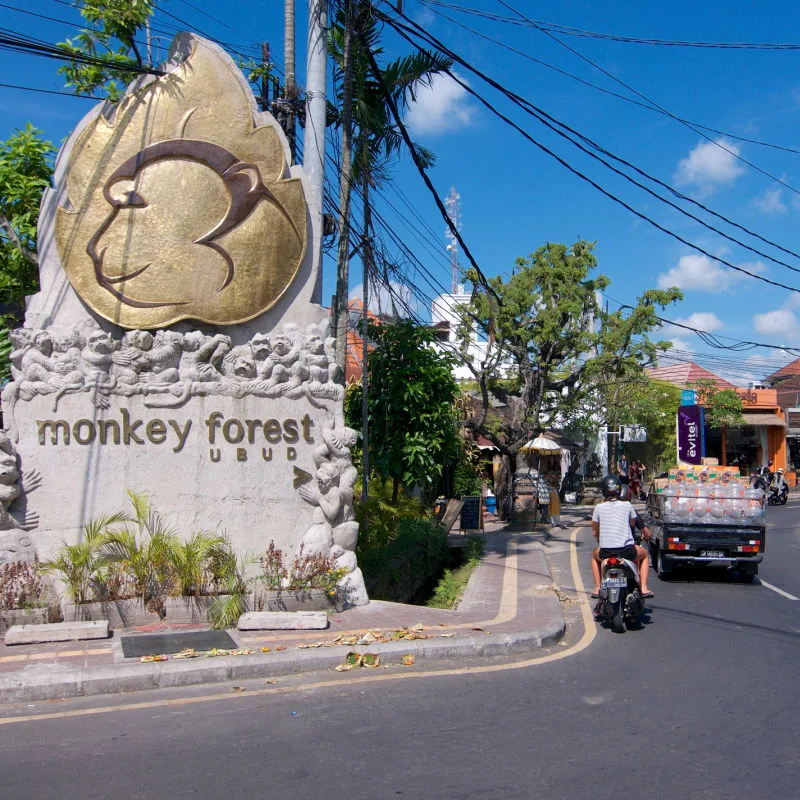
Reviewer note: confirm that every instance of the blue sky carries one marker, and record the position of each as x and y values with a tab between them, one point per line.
514	197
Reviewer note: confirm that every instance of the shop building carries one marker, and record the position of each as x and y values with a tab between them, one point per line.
761	439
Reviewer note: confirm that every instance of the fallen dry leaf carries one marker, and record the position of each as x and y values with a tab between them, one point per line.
148	659
409	660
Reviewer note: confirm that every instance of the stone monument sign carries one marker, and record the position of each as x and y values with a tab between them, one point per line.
174	348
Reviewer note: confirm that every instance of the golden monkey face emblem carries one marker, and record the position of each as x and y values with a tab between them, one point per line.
163	228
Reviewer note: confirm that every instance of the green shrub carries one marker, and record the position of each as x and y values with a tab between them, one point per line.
453	582
397	570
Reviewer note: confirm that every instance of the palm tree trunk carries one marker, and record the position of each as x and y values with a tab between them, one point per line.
290	88
343	260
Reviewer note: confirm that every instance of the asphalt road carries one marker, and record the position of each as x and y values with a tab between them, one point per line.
700	703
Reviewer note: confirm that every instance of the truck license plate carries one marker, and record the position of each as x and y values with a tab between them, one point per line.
615	583
712	554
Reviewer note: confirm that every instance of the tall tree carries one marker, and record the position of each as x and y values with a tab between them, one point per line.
413	419
26	170
373	138
112	33
550	347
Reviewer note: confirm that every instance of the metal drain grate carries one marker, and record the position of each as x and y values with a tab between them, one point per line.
149	644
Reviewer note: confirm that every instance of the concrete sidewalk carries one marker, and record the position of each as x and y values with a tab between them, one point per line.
509	607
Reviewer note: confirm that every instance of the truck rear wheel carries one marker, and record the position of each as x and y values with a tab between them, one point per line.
663	568
748	572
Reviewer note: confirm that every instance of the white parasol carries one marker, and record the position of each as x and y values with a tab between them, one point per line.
541	445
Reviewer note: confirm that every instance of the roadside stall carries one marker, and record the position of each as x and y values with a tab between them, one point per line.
534	492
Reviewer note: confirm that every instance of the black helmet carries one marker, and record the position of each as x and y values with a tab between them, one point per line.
610	485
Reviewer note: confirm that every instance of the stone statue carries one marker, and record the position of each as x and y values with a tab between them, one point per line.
15	543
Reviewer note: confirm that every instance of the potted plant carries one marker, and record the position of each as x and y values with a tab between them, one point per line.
114	570
308	584
24	595
204	574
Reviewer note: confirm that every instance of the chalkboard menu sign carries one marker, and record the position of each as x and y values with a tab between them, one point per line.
471	516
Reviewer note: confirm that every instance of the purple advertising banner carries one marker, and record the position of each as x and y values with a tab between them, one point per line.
691	435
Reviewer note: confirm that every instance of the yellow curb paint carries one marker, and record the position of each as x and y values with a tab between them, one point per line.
63	654
589	632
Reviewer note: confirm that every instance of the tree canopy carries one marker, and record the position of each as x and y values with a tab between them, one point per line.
553	353
110	36
26	170
413	424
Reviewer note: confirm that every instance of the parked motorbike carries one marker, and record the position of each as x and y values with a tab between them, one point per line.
621	603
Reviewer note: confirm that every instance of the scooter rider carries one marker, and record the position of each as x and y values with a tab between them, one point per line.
778	484
612	526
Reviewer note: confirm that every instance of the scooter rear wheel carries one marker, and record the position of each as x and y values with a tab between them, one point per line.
617	617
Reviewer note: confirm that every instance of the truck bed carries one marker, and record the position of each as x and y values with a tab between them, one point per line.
735	545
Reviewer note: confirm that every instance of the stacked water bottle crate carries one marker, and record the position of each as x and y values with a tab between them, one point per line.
711	497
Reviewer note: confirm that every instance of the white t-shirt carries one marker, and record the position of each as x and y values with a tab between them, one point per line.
615	518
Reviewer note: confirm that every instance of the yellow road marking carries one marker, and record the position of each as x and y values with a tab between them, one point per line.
589	632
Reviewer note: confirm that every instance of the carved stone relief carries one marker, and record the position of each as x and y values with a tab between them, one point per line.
170	367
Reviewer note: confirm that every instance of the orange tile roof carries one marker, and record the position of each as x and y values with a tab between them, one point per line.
354	363
686	375
788	371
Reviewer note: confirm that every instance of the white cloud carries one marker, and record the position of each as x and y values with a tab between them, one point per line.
780	323
696	271
443	106
771	202
425	18
710	166
680	344
704	321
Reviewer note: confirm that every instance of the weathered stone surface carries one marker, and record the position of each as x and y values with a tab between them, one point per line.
291	600
56	632
118	613
22	616
283	621
234	427
189	610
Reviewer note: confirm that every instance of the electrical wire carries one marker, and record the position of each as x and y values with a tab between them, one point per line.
50	91
424	35
572	31
698	131
597	87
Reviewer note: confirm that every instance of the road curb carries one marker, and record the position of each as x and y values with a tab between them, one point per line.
54	682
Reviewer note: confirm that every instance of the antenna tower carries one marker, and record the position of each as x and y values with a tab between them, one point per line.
453	205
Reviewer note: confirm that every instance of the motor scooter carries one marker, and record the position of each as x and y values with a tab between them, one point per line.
777	494
621	603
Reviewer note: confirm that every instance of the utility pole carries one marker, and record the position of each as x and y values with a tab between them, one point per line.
290	83
316	109
346	167
265	76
